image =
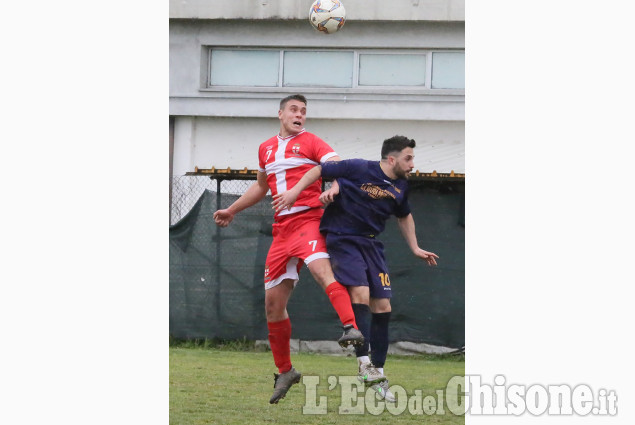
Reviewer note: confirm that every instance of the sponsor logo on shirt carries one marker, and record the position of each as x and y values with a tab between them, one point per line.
376	192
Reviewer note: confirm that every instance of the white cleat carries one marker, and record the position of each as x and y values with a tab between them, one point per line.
383	392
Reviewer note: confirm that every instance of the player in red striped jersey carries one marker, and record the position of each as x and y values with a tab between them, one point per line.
283	160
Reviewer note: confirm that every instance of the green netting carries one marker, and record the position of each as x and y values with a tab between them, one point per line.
216	275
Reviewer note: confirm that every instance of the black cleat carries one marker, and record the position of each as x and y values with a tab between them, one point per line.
351	336
281	384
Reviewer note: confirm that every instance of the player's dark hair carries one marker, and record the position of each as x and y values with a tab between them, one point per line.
396	144
299	97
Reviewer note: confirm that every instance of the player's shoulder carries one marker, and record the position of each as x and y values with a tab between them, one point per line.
269	142
309	137
358	162
355	165
402	184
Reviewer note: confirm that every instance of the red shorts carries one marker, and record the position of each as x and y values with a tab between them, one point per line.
296	240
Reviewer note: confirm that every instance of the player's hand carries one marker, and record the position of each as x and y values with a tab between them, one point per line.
328	196
428	257
222	218
284	200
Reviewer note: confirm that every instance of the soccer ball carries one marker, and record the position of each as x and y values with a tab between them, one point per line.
327	16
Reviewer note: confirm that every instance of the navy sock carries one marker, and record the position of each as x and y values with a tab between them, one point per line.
379	338
362	318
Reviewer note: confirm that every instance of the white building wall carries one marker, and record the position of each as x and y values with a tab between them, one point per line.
189	41
184	145
356	10
233	142
223	127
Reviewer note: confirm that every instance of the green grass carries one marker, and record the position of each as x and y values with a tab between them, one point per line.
232	385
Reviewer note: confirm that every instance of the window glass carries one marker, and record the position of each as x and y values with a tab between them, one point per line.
318	69
244	68
448	70
334	68
392	70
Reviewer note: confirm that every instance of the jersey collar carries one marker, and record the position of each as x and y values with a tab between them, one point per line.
284	139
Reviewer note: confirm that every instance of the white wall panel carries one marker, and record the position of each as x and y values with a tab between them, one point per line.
233	142
370	10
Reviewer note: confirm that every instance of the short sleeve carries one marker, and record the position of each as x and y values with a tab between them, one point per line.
261	160
403	209
321	150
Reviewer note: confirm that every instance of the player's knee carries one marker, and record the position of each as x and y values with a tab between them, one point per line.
359	294
380	305
321	272
274	307
381	310
274	310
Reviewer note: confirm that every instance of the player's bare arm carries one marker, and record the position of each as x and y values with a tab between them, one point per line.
287	199
252	196
407	228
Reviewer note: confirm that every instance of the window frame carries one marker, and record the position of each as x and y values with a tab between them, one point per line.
283	51
431	66
355	87
426	53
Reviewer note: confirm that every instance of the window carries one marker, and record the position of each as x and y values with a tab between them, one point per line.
318	69
244	68
405	69
392	70
448	70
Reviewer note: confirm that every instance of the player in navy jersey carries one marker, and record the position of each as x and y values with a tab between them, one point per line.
363	196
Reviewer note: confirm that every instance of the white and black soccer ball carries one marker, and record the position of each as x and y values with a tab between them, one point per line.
327	16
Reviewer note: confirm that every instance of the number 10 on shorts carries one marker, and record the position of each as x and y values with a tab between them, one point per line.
385	280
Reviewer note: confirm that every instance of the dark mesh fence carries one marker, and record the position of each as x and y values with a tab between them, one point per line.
216	275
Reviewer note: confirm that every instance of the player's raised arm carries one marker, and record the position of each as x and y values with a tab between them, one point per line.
407	228
252	196
287	199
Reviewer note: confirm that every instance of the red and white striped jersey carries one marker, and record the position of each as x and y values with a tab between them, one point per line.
286	160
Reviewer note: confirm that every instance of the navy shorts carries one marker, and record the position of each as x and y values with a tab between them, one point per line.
359	261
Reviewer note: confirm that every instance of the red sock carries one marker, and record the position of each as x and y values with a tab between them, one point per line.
279	336
342	303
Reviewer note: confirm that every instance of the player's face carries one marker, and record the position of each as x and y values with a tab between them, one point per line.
404	163
292	118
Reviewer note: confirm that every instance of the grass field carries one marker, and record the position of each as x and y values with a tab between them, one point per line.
226	386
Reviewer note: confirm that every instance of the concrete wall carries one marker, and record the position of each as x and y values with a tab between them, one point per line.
223	127
188	67
399	10
233	142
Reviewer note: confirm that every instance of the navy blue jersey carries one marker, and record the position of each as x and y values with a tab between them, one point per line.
367	198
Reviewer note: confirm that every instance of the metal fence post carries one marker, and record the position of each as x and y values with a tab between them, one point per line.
218	250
